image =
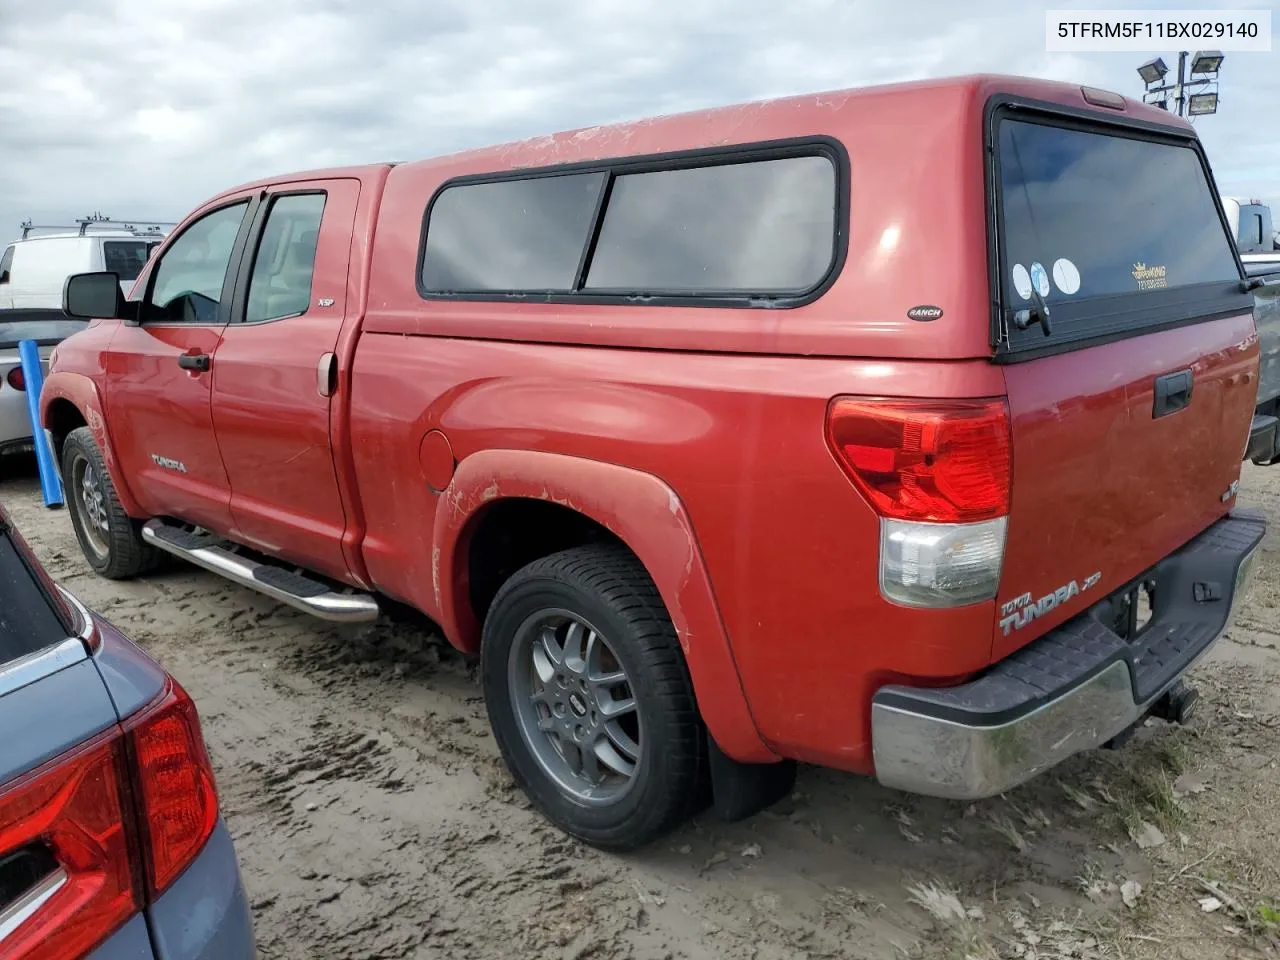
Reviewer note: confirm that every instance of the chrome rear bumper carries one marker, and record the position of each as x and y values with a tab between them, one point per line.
1073	689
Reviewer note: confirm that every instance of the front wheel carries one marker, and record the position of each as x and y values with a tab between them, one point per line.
590	698
109	537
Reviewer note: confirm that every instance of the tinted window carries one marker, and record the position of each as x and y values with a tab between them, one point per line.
762	227
510	235
6	262
188	280
286	258
125	257
27	620
1257	228
1105	214
43	332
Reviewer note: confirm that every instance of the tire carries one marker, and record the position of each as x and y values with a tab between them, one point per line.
605	590
117	552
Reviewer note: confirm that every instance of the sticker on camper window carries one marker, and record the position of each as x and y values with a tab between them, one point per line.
1065	276
1040	277
1022	281
1150	278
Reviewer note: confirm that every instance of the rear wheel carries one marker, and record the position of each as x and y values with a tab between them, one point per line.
109	537
590	698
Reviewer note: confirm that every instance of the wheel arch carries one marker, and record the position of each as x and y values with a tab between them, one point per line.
614	502
69	401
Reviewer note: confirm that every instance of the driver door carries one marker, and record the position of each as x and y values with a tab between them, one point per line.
159	371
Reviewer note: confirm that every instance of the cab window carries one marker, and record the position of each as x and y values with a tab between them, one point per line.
188	280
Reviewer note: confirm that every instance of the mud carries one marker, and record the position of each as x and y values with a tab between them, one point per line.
374	819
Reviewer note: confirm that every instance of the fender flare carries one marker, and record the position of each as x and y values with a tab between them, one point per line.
646	515
82	393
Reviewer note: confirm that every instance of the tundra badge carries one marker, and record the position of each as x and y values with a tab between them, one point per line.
1231	491
1020	611
168	464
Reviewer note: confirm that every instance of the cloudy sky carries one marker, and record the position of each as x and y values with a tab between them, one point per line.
142	108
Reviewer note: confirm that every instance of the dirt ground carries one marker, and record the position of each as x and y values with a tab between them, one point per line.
374	819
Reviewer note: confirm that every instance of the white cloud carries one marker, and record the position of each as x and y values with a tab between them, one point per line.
144	107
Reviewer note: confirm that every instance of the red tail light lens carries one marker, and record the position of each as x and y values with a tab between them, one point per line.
940	461
115	822
177	797
74	807
16	379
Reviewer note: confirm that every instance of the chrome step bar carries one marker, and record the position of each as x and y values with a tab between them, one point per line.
353	607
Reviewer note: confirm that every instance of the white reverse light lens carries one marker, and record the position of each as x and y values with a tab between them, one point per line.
940	564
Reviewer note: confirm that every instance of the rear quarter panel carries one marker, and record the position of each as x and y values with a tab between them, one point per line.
791	549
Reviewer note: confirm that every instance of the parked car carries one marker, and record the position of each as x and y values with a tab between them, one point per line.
111	844
717	457
15	420
33	270
1252	227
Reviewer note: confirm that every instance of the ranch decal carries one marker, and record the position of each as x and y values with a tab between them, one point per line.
925	312
1150	278
1020	611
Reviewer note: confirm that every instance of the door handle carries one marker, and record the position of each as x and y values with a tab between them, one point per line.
195	361
327	375
1173	393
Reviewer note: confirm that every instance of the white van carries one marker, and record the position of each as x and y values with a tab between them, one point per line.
34	268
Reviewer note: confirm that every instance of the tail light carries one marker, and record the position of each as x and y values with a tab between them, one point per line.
77	811
16	379
938	473
177	800
115	823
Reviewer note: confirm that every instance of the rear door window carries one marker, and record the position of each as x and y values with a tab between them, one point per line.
28	622
1089	214
286	259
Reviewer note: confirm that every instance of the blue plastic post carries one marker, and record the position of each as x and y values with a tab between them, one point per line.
50	482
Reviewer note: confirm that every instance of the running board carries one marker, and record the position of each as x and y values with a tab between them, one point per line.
296	589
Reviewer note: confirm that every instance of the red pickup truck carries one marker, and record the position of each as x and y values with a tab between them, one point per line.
895	430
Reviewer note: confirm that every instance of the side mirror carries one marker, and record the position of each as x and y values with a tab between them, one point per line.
92	296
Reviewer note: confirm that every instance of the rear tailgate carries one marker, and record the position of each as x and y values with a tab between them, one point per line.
1131	406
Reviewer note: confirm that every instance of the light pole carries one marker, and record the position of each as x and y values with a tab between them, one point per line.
1195	95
